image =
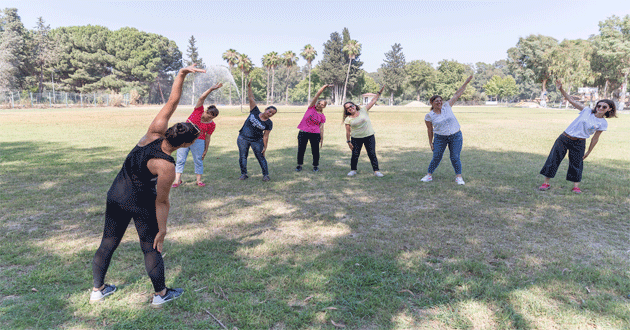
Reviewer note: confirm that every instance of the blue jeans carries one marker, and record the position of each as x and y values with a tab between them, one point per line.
454	143
243	151
197	149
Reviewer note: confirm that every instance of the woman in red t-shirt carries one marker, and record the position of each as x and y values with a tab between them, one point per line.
204	119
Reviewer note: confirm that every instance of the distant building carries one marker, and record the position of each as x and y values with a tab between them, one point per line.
367	97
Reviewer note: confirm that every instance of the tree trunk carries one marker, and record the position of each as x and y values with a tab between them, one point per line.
391	98
624	89
242	88
310	68
268	86
286	95
418	96
345	85
569	92
273	79
160	88
543	94
603	95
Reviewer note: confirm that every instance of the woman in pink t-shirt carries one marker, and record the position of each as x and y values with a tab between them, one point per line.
204	119
312	129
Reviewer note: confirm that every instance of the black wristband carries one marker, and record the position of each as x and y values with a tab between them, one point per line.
348	141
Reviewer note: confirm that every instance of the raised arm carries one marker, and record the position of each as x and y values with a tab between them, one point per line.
319	92
459	92
573	102
205	94
250	96
374	99
160	122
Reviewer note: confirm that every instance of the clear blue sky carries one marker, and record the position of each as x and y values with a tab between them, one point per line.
466	31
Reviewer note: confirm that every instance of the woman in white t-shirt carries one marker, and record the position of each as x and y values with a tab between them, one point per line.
573	139
444	130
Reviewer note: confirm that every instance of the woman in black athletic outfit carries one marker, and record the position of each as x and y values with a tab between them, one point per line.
140	191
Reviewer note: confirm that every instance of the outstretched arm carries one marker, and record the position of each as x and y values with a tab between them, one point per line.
319	92
374	99
594	141
459	92
205	94
160	123
573	102
250	96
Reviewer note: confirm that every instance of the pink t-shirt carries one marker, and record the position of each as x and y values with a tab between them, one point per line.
206	128
311	121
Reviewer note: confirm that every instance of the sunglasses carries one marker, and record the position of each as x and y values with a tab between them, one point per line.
194	125
350	106
603	106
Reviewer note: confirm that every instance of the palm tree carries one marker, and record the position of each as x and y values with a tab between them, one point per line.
309	53
290	59
231	56
266	61
274	61
245	64
351	49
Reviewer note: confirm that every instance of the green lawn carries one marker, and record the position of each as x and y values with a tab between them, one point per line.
321	250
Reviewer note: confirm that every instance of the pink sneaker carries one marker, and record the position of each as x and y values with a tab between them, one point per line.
545	186
576	190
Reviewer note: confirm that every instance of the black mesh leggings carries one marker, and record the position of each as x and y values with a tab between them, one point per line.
116	221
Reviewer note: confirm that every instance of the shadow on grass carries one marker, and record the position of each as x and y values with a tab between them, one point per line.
385	253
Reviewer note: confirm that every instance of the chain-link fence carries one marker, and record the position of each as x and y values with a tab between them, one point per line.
12	99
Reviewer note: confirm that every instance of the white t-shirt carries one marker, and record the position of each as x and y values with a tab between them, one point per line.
586	124
445	122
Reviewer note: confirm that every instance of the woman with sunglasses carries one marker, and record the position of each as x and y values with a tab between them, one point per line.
255	134
359	131
204	121
312	129
573	139
140	191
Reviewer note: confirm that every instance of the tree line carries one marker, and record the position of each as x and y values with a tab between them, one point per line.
94	58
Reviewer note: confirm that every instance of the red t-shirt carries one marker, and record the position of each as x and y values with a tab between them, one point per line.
206	128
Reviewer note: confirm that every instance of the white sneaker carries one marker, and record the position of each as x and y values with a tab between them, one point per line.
459	180
427	178
379	174
352	173
101	294
171	294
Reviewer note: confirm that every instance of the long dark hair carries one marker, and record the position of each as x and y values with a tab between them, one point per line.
345	112
613	108
182	133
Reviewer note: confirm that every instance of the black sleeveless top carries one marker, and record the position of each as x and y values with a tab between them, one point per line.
134	186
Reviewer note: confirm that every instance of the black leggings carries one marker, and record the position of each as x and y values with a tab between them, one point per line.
370	147
303	139
116	221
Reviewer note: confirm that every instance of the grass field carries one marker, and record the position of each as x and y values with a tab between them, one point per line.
322	250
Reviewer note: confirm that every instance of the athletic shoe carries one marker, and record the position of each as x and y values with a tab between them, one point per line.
459	180
576	190
298	168
352	173
378	174
427	178
544	186
101	294
171	294
243	177
266	178
315	169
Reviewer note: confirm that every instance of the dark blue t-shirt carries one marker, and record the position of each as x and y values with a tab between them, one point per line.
253	127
